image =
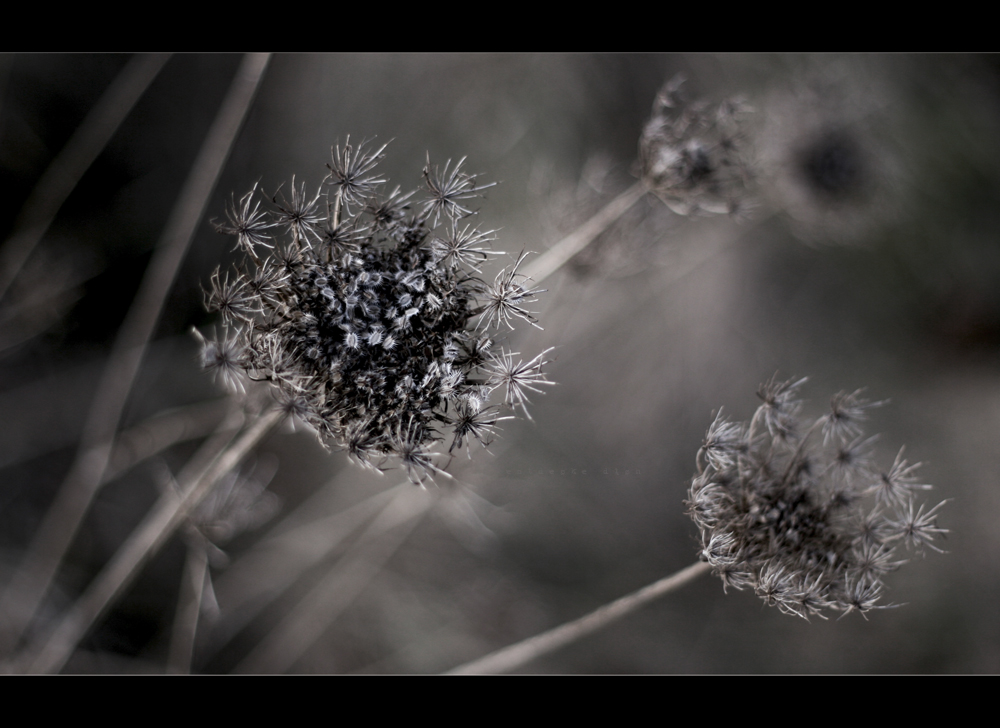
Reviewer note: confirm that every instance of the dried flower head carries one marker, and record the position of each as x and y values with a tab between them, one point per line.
366	317
694	156
809	522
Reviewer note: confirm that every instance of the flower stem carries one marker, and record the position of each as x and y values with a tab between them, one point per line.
514	656
166	516
31	582
312	616
69	166
189	606
559	254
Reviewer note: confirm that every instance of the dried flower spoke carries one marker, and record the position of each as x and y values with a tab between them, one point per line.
471	421
781	407
847	411
387	213
248	223
232	298
505	296
724	442
918	529
351	170
299	214
464	248
448	189
895	487
518	379
226	361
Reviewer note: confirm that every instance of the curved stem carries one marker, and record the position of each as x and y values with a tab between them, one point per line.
517	655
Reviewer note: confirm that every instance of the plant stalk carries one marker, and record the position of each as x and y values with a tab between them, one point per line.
515	656
34	577
69	166
559	254
167	515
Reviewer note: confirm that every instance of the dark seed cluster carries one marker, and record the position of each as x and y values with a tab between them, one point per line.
365	311
799	511
694	157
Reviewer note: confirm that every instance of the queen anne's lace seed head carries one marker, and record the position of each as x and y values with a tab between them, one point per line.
694	157
805	519
366	314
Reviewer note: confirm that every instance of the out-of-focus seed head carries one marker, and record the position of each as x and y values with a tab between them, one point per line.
694	157
240	502
368	318
809	522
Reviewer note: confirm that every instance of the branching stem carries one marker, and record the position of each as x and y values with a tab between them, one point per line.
166	516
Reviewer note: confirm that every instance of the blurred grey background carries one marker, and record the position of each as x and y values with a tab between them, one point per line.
871	258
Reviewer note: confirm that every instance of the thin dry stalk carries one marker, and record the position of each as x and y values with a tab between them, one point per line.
46	415
520	654
562	252
188	609
69	166
171	511
272	566
36	312
164	430
34	577
306	623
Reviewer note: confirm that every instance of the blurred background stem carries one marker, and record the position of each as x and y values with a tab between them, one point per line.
32	580
170	512
70	164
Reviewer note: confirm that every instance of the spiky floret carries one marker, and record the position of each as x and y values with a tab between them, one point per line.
791	514
518	379
351	172
248	223
505	297
362	313
465	247
450	190
299	212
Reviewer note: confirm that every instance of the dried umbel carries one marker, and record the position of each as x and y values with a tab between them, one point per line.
365	312
799	511
693	156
